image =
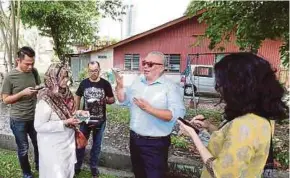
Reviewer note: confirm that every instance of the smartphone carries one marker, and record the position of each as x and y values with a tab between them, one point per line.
201	119
39	88
188	124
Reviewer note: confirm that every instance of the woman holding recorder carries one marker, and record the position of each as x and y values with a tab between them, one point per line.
252	94
56	125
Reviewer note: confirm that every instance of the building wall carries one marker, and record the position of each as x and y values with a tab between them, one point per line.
184	38
106	63
79	62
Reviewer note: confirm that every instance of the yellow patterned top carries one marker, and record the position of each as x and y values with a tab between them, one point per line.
240	148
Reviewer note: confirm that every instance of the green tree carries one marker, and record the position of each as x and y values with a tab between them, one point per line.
251	22
67	22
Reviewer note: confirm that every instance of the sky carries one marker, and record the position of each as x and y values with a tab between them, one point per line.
147	14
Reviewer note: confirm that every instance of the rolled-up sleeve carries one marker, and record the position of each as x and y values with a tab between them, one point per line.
175	102
126	102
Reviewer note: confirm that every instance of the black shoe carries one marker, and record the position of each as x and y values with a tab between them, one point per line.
95	172
27	175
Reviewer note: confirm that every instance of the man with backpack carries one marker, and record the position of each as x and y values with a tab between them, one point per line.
19	90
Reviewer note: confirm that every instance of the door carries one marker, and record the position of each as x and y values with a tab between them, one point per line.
75	67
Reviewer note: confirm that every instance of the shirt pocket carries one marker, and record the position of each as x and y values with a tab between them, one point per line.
135	93
158	100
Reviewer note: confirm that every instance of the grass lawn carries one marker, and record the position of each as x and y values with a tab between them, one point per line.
9	167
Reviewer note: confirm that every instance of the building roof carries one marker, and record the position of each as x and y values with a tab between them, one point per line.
140	35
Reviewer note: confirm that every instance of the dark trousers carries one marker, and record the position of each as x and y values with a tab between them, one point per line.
96	147
20	130
149	155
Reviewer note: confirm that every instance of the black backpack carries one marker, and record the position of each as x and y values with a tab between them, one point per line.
36	75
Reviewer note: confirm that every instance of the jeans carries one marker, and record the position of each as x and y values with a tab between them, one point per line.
20	130
149	155
98	133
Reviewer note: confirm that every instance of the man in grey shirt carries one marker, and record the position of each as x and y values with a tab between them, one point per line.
19	90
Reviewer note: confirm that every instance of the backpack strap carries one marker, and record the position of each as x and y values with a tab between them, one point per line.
36	75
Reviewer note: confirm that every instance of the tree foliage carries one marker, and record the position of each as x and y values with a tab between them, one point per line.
251	22
67	22
111	8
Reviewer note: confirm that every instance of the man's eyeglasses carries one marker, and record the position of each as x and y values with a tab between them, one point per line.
150	64
94	71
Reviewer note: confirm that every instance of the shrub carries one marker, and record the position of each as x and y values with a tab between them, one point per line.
118	114
281	153
214	115
179	142
83	74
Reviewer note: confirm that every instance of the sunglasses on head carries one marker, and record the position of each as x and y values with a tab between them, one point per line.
150	64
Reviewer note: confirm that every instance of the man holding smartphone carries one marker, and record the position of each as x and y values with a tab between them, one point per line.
19	90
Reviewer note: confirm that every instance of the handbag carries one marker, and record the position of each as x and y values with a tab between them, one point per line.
81	140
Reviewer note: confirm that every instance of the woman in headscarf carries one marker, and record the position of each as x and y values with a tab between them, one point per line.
55	125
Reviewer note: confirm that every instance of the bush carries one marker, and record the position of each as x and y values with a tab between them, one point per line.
281	152
83	74
179	142
118	114
214	115
107	75
178	171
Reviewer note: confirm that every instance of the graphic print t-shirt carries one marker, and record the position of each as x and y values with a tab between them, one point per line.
94	94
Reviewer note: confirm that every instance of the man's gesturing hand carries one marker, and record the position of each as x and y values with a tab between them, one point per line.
142	104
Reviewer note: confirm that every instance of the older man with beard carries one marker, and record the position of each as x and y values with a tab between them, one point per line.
155	104
97	92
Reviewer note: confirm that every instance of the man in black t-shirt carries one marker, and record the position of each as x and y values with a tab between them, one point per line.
96	92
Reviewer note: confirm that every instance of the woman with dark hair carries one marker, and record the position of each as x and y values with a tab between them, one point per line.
253	97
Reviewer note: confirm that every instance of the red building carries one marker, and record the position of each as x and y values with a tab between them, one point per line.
178	39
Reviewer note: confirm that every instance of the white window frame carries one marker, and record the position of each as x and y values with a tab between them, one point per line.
129	65
169	62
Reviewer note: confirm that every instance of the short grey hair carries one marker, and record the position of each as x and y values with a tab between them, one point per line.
160	54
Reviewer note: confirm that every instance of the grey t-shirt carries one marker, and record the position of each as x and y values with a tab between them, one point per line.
14	82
